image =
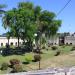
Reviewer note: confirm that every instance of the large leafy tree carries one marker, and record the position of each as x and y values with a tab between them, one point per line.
12	21
46	23
28	26
20	22
27	19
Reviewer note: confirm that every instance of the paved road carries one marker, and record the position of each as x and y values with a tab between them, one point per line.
49	71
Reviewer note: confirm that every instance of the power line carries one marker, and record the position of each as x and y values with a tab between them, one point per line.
64	7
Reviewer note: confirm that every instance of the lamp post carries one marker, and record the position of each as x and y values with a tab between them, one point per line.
36	39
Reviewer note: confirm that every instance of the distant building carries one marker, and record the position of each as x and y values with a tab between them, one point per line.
61	39
64	38
54	41
70	40
12	41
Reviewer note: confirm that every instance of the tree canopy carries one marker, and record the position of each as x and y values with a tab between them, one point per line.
26	19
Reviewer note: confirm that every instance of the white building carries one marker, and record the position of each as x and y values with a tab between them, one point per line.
54	41
12	41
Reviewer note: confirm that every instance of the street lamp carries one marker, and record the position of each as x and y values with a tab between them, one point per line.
36	39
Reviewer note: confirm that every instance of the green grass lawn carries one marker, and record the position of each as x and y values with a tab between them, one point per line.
48	59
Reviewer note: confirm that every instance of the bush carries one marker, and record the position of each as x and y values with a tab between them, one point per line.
43	47
26	62
29	57
54	47
63	46
57	53
14	61
4	66
37	57
73	48
17	68
7	51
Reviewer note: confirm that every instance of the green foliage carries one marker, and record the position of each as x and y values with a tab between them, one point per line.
73	48
54	26
54	47
37	57
26	5
43	40
63	46
57	53
17	68
1	7
4	66
26	20
28	59
14	61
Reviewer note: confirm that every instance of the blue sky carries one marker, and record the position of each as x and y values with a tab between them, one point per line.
67	16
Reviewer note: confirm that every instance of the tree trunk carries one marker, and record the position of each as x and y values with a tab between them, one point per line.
8	41
18	41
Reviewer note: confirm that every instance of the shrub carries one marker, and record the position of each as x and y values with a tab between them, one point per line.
4	66
54	47
43	47
17	68
26	62
63	46
29	57
73	48
14	61
57	53
37	57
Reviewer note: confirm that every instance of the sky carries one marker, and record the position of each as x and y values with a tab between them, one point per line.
67	15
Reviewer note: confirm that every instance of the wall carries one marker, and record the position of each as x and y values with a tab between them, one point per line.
54	41
4	40
70	40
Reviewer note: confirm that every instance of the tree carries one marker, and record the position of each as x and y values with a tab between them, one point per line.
8	35
1	9
27	24
27	19
46	23
20	24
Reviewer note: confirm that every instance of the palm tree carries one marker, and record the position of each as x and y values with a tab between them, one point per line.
1	9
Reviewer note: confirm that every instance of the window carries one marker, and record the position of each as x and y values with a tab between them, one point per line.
1	44
66	43
51	43
70	43
11	43
55	43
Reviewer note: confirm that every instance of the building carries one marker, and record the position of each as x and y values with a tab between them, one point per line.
54	41
67	39
57	40
12	41
70	40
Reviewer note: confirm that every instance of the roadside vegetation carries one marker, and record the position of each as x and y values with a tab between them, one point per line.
48	59
31	23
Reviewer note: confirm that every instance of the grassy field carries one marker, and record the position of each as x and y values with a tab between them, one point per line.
65	59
